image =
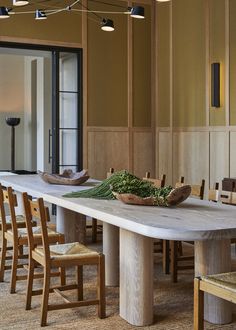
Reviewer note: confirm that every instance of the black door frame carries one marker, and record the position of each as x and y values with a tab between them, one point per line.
55	50
55	110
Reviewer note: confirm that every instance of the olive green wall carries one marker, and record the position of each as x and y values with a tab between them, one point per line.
107	72
142	70
163	78
217	54
191	35
188	28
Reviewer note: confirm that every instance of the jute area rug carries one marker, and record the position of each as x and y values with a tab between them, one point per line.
173	306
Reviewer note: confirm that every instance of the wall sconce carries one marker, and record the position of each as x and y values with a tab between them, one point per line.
215	85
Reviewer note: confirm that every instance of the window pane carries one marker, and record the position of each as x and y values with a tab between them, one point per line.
68	72
68	110
63	168
68	147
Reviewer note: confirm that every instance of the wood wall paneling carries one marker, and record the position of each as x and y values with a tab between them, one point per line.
107	149
217	54
191	156
219	156
189	65
165	155
232	154
143	153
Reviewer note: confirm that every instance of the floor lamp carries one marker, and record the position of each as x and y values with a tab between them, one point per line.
12	121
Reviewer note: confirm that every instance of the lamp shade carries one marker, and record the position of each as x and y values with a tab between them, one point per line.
40	15
137	12
107	25
12	121
20	2
4	13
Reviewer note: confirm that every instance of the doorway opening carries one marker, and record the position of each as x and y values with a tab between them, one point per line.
43	87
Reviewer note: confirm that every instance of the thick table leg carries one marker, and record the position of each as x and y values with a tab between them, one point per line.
136	278
71	224
212	257
111	251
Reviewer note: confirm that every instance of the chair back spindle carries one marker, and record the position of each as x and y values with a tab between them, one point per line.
159	183
36	210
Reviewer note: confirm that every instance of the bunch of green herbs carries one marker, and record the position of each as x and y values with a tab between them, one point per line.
123	182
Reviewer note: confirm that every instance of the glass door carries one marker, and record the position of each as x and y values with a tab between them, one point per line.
67	111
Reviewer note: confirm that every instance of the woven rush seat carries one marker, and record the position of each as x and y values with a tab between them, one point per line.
20	220
224	281
37	232
219	285
68	251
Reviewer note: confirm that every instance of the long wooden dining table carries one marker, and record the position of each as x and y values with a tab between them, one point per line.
128	234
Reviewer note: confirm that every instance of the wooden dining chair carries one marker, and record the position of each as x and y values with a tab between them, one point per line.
156	182
177	258
96	225
213	194
18	238
5	224
60	255
219	285
225	197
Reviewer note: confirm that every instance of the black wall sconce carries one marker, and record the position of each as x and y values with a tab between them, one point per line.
215	85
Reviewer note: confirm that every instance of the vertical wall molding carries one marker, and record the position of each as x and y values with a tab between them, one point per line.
227	77
154	104
208	74
227	114
85	84
130	90
207	17
171	90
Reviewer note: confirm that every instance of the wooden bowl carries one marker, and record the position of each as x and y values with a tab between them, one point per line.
66	178
175	197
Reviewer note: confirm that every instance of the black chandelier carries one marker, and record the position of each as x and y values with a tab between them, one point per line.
107	24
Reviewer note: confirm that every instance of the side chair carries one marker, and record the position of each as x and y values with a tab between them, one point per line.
157	182
5	224
219	285
18	238
225	197
197	191
60	255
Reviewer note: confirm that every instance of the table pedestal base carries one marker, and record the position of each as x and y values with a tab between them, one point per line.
71	224
136	278
212	257
111	251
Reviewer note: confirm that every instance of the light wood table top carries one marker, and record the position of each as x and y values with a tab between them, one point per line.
192	220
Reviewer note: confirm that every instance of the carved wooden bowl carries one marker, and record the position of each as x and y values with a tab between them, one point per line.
68	177
175	197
